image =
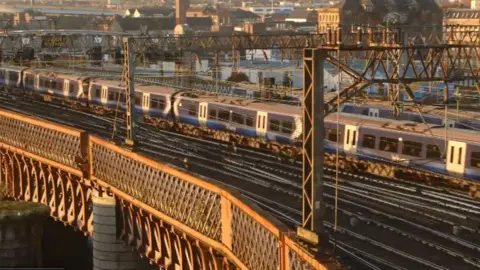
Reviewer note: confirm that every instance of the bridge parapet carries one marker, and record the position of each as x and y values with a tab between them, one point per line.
167	215
48	140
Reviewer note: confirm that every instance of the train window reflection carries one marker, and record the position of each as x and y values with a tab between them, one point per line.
71	87
249	121
287	127
475	160
13	77
153	103
433	152
161	104
212	114
388	144
237	118
224	115
332	135
368	141
192	110
413	149
274	125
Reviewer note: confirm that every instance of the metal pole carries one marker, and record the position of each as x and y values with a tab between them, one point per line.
445	99
128	79
313	207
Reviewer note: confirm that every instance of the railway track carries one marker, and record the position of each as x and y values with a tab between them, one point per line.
382	224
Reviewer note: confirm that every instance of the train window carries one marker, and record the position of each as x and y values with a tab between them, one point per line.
161	104
97	93
460	155
54	84
153	103
354	139
71	87
412	148
452	149
249	121
122	97
332	135
224	115
274	125
264	123
368	141
111	96
348	136
433	152
29	80
475	160
192	110
388	144
237	118
212	114
12	76
138	101
287	127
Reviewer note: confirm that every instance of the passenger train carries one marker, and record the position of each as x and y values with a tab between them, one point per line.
274	126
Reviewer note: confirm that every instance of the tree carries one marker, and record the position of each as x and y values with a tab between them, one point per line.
238	77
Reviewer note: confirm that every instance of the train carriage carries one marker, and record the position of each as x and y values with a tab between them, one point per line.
276	126
417	144
11	77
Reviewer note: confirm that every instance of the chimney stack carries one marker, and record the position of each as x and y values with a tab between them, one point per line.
181	7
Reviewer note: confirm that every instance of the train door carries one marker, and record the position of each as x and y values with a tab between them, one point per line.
104	95
261	125
350	140
373	112
456	155
203	113
146	102
7	77
36	81
66	88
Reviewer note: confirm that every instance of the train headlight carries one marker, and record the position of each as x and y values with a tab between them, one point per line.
400	139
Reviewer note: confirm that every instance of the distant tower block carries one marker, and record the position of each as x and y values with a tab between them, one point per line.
181	7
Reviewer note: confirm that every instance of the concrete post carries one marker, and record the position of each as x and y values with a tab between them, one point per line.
109	253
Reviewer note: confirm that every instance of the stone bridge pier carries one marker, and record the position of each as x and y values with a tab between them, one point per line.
109	253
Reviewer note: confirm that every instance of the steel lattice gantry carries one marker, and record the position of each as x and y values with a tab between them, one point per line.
393	59
85	43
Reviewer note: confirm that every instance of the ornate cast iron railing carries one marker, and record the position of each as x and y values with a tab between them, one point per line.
166	215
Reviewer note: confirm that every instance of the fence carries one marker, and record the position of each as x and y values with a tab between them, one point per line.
200	213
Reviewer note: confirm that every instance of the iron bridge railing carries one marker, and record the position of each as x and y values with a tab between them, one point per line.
59	166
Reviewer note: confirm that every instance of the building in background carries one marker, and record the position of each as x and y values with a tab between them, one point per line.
302	16
380	12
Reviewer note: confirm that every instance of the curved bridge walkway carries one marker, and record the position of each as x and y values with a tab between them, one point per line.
128	201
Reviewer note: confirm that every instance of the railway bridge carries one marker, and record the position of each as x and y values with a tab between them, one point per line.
172	218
